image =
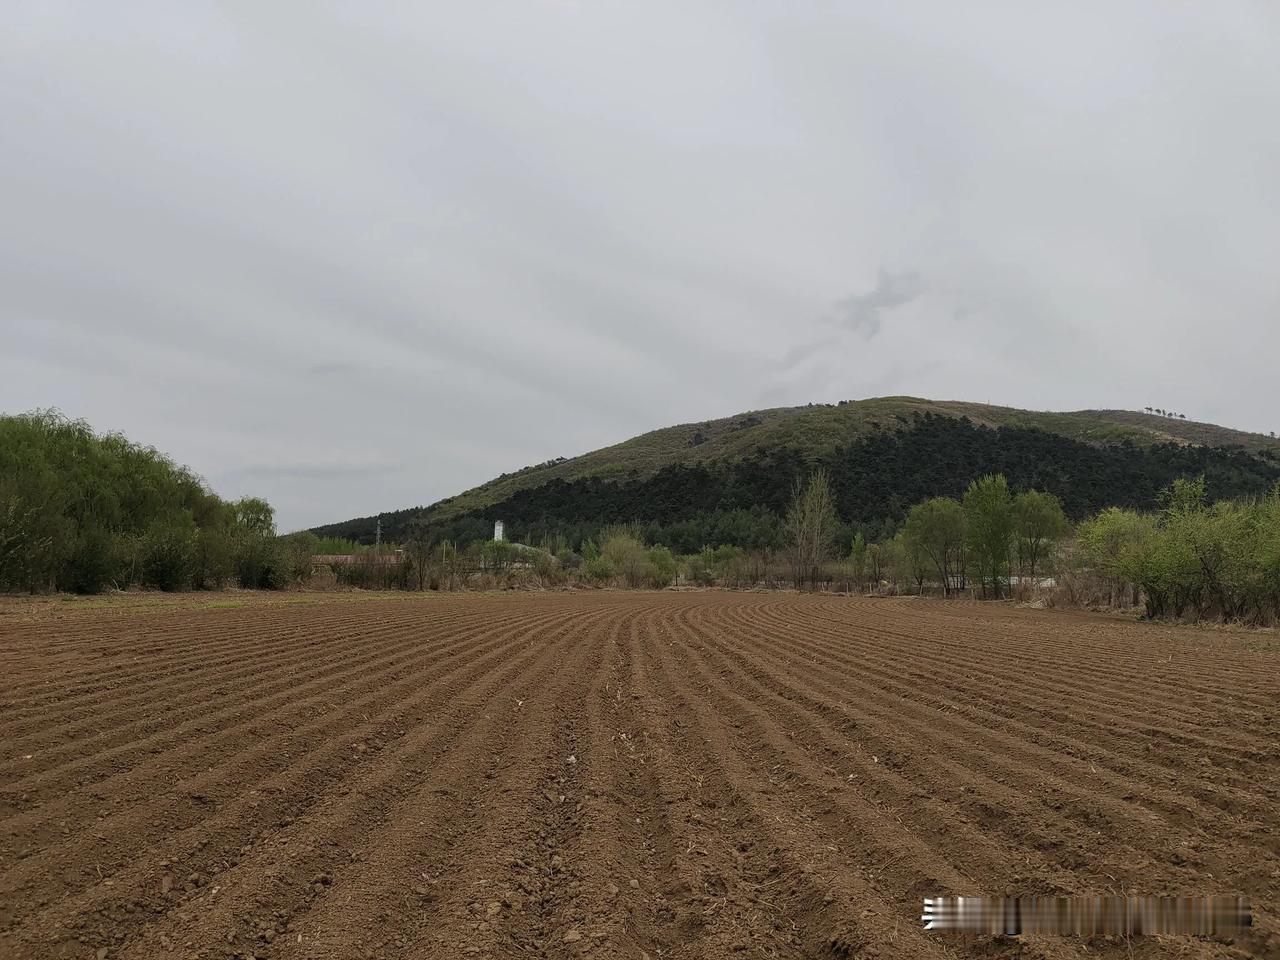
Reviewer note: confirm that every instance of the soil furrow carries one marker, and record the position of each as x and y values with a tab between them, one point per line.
365	727
1075	834
357	860
634	774
988	705
210	724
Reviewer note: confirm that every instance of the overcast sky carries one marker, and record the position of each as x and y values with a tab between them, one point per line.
361	256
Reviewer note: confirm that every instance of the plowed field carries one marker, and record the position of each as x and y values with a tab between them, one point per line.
617	775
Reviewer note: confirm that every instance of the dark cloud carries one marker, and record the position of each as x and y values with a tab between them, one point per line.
864	312
443	242
861	314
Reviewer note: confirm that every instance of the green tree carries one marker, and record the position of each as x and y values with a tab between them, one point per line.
988	515
730	565
810	526
1192	558
936	529
21	540
1186	495
1120	544
256	516
81	511
910	561
1038	525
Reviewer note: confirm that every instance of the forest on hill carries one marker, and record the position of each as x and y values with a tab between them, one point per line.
875	479
815	432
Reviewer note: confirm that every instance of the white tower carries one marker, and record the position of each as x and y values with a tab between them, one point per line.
497	529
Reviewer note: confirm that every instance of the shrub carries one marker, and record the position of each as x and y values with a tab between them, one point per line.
598	569
497	556
548	570
296	550
662	567
700	568
1192	559
92	563
260	564
374	572
338	546
626	555
168	554
215	559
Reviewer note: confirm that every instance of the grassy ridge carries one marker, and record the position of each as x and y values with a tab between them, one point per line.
819	429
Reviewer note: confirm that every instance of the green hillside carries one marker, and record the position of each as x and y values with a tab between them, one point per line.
1123	445
817	429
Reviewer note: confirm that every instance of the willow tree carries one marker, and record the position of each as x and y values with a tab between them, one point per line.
83	511
936	528
1038	524
811	526
988	514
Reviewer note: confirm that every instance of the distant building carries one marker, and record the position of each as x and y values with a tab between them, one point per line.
497	530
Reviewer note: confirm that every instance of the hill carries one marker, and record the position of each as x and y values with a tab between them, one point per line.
883	453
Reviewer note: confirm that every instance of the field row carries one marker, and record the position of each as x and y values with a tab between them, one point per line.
619	774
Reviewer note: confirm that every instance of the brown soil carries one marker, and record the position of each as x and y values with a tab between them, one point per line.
617	775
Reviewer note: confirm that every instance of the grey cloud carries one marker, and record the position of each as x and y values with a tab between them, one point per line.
310	471
447	241
864	313
332	368
799	353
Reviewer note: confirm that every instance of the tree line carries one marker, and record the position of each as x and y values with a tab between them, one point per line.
988	535
989	538
1188	558
1191	558
874	481
81	512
